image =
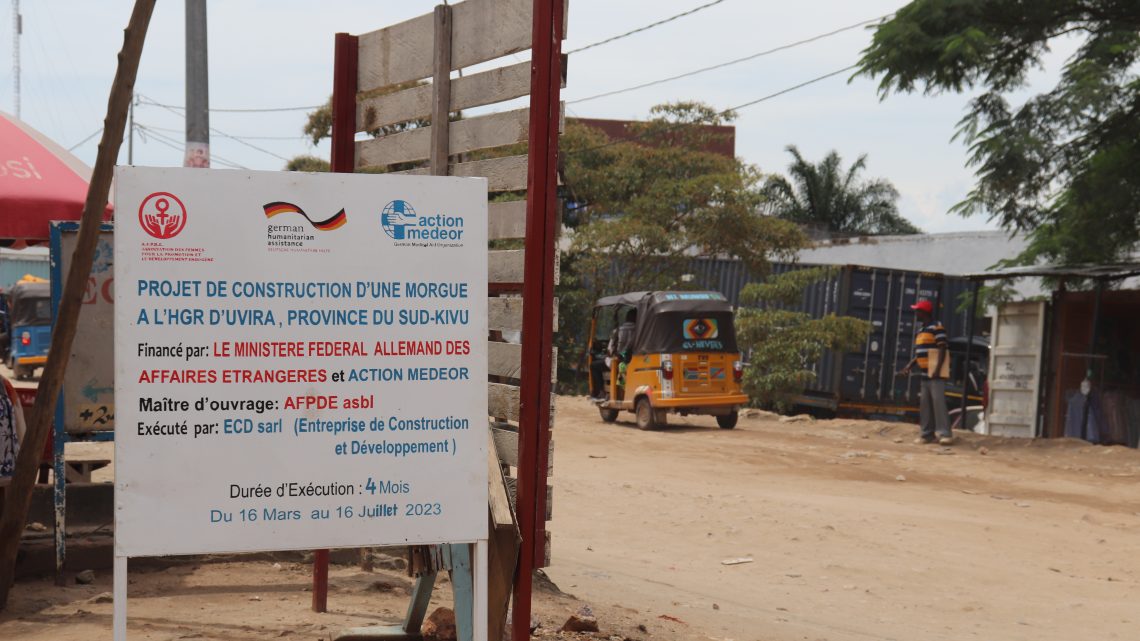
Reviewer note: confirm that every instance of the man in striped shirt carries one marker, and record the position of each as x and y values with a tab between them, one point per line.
931	348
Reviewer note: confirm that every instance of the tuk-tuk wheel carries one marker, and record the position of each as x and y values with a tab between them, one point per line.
22	373
609	416
727	421
646	417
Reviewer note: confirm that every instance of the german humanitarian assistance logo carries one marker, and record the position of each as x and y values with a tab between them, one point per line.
396	217
699	329
162	215
335	221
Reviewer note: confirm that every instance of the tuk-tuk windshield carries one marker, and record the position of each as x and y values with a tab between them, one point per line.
31	304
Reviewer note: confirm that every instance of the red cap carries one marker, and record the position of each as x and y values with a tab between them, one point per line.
923	305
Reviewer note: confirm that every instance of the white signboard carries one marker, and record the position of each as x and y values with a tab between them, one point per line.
300	360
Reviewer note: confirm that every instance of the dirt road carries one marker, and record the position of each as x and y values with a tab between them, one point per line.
854	534
853	531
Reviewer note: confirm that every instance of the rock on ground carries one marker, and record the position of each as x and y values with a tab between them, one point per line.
439	626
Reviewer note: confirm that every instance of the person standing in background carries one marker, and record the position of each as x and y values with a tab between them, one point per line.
931	354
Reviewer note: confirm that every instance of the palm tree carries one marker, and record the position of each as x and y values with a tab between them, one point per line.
823	194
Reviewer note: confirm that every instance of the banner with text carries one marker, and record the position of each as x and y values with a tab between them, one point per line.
300	360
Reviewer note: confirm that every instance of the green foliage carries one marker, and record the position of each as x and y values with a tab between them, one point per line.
824	194
786	289
784	343
307	163
653	205
1060	166
319	126
992	295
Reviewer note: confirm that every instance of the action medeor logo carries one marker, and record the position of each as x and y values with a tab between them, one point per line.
396	217
162	215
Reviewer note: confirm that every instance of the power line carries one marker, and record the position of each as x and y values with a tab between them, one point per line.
148	101
221	133
178	146
178	131
80	143
719	114
730	62
646	27
249	144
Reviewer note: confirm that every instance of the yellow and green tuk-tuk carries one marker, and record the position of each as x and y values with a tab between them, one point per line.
652	353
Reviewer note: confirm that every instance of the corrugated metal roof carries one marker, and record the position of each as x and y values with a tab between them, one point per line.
1115	271
951	253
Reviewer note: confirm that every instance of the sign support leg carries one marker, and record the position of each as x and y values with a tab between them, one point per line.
462	589
481	600
119	586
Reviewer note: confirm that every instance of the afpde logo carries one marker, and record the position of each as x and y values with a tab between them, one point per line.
401	222
162	215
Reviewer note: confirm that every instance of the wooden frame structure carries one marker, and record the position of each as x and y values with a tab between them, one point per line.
380	86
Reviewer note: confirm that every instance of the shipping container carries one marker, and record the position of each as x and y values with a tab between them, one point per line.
860	383
16	263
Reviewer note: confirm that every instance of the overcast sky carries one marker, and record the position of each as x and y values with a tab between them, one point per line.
274	54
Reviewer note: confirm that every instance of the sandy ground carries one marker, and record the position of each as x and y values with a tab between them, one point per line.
853	533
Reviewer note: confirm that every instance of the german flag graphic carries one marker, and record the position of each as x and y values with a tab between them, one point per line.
334	222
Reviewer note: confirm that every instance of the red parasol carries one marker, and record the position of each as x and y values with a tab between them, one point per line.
40	181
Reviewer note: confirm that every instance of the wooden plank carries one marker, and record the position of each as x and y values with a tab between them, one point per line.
498	500
484	132
504	359
506	220
502	174
505	541
504	313
505	438
512	488
483	88
505	265
441	94
503	401
482	30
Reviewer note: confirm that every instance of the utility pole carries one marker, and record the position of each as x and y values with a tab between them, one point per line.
17	30
197	87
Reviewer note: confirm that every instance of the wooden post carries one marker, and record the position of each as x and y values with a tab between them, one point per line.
19	493
441	91
970	320
343	160
538	302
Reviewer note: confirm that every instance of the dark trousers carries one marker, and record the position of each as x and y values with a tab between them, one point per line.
932	408
597	370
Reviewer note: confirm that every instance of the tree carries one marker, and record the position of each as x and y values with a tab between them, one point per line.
318	126
824	194
307	163
784	343
651	205
1061	165
639	211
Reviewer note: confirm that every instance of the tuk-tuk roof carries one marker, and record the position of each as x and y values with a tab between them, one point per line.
26	289
669	301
